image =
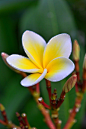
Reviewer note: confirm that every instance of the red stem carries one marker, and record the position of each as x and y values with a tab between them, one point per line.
76	87
37	88
84	80
20	119
44	104
4	116
24	116
75	109
77	70
2	122
45	114
48	85
61	100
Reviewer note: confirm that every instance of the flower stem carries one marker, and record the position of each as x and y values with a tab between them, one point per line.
84	80
20	119
61	100
6	122
48	86
43	103
44	112
77	70
3	112
55	118
2	122
24	116
37	88
54	110
74	111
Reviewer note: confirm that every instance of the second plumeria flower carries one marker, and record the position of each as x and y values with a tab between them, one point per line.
49	61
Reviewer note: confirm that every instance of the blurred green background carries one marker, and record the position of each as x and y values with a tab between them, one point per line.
47	18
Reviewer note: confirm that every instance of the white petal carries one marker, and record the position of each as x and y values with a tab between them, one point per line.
22	63
33	79
58	46
34	45
59	68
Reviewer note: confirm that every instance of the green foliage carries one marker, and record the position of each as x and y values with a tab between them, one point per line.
47	18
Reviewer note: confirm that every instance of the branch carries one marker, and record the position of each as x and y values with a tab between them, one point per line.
74	111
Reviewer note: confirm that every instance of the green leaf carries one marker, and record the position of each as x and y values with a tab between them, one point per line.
11	6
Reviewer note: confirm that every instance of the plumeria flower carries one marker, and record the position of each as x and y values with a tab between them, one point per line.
50	61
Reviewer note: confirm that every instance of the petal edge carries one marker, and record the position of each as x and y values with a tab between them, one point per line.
33	79
58	46
22	63
34	45
59	68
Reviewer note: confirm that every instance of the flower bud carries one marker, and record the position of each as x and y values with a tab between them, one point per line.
70	83
24	116
84	63
4	57
76	51
2	108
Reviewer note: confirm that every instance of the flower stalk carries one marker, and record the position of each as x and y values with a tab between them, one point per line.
22	123
44	112
37	88
79	95
48	86
66	88
54	110
3	112
76	51
77	105
6	122
76	57
43	103
2	122
84	75
24	116
55	118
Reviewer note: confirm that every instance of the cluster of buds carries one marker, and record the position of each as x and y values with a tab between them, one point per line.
55	102
5	120
3	112
23	122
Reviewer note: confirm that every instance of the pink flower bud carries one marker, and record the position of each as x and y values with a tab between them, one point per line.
76	51
70	83
4	57
84	63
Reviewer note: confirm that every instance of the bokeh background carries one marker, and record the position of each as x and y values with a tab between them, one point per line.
47	18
